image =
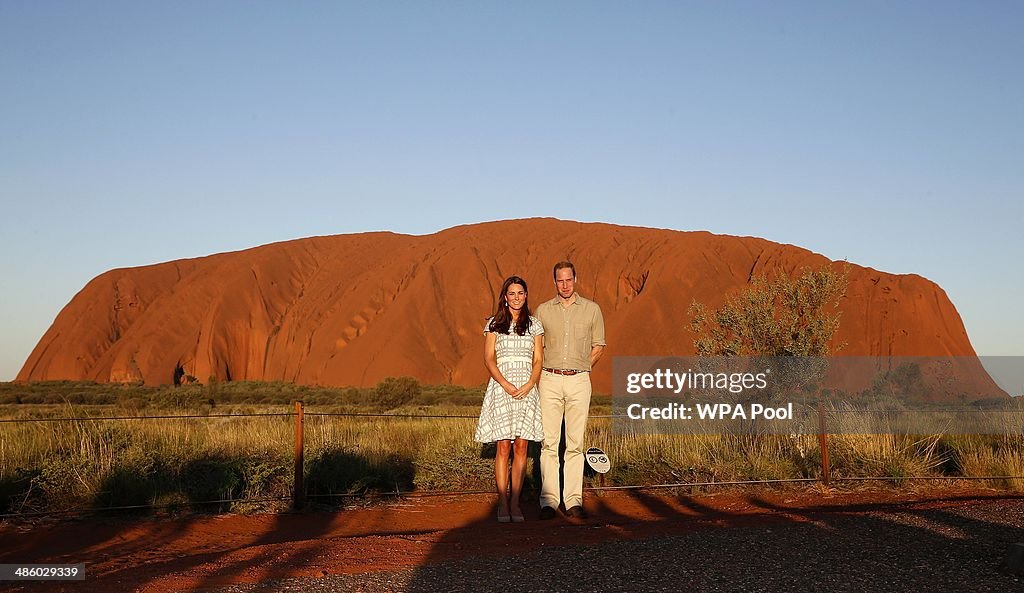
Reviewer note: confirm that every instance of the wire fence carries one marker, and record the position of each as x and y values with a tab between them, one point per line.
162	417
299	497
453	416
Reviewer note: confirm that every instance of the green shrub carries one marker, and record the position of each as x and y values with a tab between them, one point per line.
267	476
453	462
60	483
212	478
395	392
339	471
136	478
15	490
782	316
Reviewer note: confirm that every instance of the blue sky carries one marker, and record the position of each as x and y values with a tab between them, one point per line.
889	134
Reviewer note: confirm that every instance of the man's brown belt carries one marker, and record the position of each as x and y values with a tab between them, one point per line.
569	372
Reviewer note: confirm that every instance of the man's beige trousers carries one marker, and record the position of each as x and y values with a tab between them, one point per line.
567	396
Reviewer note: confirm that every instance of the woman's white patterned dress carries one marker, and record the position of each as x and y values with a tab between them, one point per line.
501	416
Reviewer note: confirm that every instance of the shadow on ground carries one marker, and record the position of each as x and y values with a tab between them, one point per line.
755	542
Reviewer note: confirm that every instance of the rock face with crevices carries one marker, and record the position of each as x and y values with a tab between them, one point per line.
354	309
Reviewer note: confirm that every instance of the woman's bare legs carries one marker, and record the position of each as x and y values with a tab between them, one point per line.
501	476
519	447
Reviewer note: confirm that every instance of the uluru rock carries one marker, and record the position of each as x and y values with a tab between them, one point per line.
354	309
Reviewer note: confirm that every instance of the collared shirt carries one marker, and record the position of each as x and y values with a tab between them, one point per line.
570	332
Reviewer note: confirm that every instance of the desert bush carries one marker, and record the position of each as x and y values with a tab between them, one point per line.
15	490
394	392
779	317
451	460
212	477
267	475
59	483
136	477
337	470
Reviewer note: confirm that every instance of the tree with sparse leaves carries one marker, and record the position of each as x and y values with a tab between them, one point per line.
780	317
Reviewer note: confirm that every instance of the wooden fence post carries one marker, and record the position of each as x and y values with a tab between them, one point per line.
298	493
823	441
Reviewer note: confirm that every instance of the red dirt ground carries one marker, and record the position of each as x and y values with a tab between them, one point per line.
192	553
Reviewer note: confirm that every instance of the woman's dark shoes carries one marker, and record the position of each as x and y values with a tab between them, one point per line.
577	512
547	513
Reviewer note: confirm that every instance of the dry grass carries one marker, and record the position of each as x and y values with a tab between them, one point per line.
82	464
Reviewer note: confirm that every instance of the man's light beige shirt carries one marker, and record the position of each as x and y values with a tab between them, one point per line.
570	332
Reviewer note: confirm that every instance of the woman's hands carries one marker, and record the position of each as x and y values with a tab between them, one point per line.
516	392
522	391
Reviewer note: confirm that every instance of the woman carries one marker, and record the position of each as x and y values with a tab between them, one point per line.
511	410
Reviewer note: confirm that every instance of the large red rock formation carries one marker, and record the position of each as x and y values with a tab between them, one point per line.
353	309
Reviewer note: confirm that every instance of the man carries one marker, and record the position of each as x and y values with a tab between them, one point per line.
573	343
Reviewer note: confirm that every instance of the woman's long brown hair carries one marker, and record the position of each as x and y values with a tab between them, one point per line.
503	316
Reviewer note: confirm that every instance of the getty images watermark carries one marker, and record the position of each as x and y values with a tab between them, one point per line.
793	395
666	380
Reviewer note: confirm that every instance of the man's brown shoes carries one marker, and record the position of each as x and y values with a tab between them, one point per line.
577	512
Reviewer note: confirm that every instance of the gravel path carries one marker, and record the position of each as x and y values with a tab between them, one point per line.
949	549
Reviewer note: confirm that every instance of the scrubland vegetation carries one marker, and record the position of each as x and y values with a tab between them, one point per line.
183	463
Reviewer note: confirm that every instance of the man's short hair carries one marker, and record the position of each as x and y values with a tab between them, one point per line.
564	264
